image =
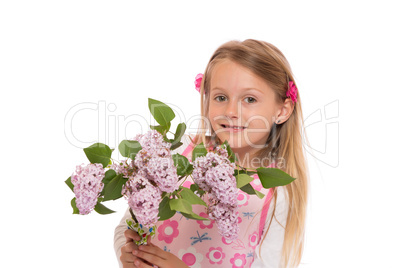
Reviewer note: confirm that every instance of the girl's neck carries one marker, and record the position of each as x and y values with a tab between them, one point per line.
246	158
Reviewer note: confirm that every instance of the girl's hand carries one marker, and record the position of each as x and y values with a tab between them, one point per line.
152	254
127	258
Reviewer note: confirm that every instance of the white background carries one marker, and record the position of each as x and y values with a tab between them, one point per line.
110	56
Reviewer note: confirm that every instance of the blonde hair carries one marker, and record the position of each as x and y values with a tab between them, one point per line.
284	141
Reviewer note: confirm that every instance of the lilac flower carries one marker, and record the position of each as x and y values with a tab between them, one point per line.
222	152
156	161
126	168
143	199
214	174
87	182
164	173
153	162
152	140
151	173
226	218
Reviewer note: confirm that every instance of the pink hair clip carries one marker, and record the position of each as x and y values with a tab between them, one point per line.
292	92
197	82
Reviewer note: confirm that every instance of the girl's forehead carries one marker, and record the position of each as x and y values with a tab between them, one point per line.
228	75
229	66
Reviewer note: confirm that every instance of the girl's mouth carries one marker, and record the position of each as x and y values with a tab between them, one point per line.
234	128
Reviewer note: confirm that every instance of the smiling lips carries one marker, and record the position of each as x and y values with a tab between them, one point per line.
234	128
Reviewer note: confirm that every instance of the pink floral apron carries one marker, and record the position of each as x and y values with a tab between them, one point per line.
199	244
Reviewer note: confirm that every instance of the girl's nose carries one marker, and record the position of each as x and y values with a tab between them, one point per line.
233	109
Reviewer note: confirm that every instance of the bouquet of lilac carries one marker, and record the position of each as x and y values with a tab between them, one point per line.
150	178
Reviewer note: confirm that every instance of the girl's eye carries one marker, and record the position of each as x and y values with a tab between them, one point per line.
252	99
222	98
219	98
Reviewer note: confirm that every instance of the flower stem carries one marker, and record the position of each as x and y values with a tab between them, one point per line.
181	177
132	215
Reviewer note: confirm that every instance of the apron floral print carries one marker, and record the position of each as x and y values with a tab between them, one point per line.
199	244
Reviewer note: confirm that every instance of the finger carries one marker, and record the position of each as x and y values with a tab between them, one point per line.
131	235
129	247
154	250
148	257
141	264
127	259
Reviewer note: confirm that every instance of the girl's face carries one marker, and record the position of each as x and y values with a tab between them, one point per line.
240	98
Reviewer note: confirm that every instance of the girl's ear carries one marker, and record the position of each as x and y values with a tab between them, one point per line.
284	112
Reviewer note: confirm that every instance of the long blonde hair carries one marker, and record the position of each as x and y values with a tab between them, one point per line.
284	141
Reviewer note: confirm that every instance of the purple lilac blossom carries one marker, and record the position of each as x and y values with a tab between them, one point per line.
214	174
152	140
126	168
156	160
143	199
151	173
87	182
226	218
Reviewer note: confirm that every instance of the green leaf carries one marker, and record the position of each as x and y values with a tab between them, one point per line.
198	151
161	129
181	205
184	207
191	197
176	145
109	175
250	172
238	171
129	148
165	212
101	209
195	188
250	190
193	216
183	165
259	194
74	206
98	153
180	130
243	179
112	191
70	184
162	113
272	177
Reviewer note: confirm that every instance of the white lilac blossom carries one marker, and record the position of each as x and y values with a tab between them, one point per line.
143	199
87	181
214	174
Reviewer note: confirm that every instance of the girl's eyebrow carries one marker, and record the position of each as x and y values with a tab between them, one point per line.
246	89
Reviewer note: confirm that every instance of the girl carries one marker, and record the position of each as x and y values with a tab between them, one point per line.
249	98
